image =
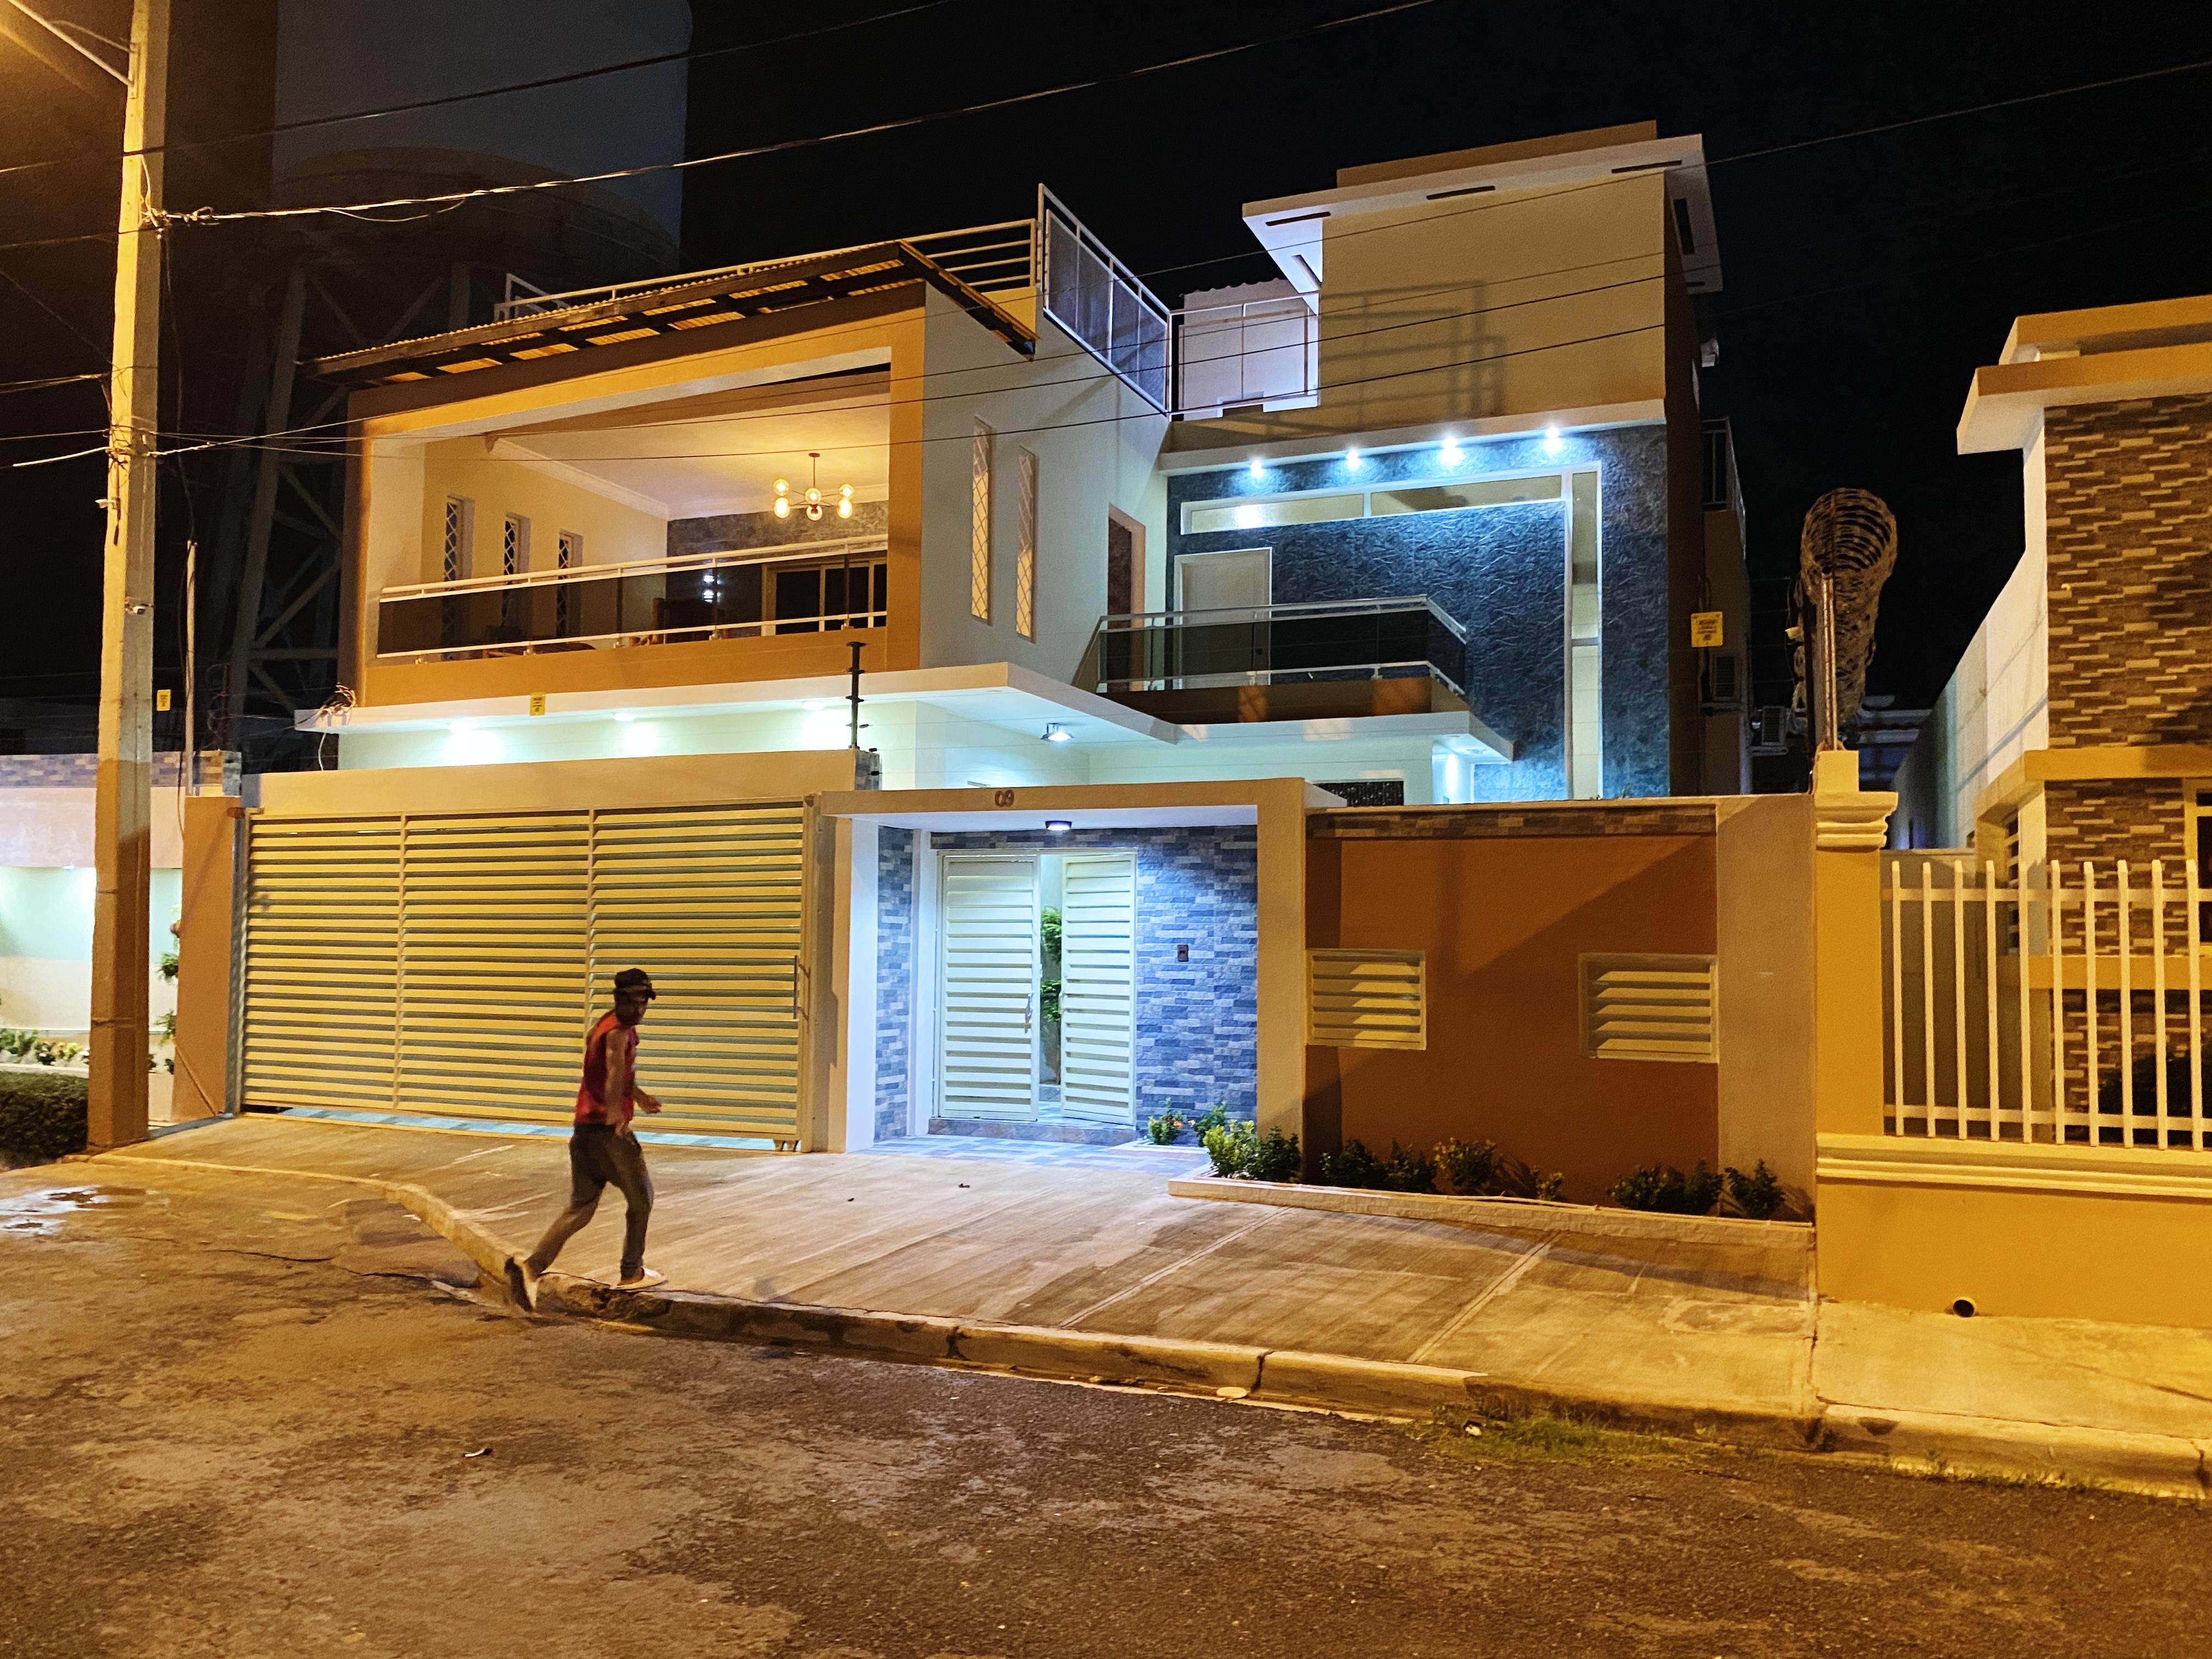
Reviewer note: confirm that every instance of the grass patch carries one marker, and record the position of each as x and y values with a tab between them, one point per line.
1933	1466
1456	1431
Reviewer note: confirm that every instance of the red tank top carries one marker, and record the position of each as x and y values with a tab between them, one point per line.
592	1105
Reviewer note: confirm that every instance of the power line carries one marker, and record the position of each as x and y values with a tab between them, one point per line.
454	198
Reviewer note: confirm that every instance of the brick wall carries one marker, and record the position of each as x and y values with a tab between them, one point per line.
1197	1021
218	772
895	941
2108	822
2128	494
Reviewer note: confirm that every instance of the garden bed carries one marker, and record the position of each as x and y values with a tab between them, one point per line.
1501	1215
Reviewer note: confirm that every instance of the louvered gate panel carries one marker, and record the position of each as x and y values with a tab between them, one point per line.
710	901
1098	989
988	946
494	952
322	914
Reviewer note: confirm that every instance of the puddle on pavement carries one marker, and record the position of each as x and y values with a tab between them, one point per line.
46	1212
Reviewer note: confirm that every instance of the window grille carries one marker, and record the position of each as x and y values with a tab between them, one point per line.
1647	1007
568	555
1025	550
454	564
979	525
1359	998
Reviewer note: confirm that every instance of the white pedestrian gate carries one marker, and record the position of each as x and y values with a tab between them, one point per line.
451	963
1098	989
987	980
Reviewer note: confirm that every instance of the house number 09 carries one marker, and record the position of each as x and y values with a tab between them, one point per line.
1004	798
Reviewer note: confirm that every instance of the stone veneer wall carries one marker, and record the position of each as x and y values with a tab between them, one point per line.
2128	500
2128	504
895	942
219	772
1198	1022
1501	573
2107	822
727	532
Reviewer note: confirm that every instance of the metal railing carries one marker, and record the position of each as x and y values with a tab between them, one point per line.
2065	1007
1276	644
1101	304
997	259
1265	352
798	587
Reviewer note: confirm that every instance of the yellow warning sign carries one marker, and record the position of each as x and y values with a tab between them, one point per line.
1704	630
162	700
537	702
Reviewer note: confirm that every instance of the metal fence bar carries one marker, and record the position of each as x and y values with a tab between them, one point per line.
1897	990
1994	1102
1959	993
2057	944
2126	902
2027	1023
2158	987
2197	1056
1928	990
2090	966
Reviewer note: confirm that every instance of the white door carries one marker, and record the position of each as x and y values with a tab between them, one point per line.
1239	581
1098	989
987	984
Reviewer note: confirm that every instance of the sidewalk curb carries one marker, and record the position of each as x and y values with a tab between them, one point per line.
2164	1465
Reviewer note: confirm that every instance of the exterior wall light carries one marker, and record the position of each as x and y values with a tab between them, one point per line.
1057	826
1351	459
1450	454
1551	440
1256	469
1055	733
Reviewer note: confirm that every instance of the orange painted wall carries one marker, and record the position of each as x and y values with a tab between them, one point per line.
1503	920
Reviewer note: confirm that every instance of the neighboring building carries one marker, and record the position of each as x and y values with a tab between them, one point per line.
1422	524
2076	725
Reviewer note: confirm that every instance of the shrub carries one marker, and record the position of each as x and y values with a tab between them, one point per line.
1548	1188
41	1117
1216	1117
1408	1172
1757	1194
168	968
1230	1146
1274	1157
1466	1166
16	1043
56	1051
1355	1166
1164	1128
1666	1189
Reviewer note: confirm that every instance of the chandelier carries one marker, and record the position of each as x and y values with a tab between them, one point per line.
810	500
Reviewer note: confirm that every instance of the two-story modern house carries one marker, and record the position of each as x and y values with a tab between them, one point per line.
1423	520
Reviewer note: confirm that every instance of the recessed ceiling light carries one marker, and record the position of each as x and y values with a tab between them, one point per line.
624	716
1055	733
1057	826
814	705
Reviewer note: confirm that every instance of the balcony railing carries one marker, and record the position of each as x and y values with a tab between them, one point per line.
1262	352
1276	645
804	587
1101	304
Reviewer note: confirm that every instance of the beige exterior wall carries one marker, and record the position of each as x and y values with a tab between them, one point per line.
1096	442
1529	301
205	942
613	531
1763	926
556	786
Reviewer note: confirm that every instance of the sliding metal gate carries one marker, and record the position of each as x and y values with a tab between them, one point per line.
451	963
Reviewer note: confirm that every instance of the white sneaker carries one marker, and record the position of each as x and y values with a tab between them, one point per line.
644	1279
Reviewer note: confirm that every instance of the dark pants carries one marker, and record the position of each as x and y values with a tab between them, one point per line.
597	1156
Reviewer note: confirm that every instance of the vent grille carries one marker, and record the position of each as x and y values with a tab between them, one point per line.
1367	998
1647	1007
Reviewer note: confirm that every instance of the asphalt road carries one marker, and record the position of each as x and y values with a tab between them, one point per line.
300	1443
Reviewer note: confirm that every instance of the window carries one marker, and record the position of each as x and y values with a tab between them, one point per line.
453	564
1124	584
979	525
1367	998
568	555
1585	648
1026	549
1647	1007
515	546
1323	506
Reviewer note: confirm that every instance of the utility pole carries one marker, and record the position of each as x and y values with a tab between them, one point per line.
123	809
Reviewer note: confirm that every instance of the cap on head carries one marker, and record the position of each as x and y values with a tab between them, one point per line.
637	980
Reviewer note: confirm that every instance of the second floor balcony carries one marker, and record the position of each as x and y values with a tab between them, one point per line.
1331	660
810	587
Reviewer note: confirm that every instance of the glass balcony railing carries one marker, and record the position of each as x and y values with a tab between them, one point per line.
810	587
1276	645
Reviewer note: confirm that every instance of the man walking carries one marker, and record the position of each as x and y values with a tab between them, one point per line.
602	1148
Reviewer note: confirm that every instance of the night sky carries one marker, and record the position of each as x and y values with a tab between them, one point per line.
1866	278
